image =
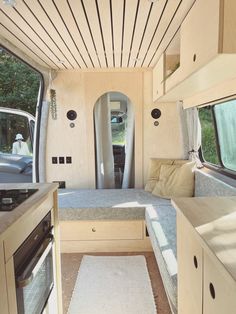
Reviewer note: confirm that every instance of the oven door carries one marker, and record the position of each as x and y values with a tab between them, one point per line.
35	283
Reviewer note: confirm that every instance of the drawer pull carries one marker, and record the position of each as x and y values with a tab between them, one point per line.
195	262
93	229
212	290
194	57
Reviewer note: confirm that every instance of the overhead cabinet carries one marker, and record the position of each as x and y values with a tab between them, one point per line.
207	49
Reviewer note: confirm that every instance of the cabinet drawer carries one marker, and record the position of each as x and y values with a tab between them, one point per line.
101	230
219	288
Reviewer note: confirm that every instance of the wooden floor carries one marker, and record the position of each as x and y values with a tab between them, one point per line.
70	267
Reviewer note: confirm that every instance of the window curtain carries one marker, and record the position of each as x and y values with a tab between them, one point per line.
194	135
103	136
128	176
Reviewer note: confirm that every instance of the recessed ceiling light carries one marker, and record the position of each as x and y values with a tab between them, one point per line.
153	1
11	3
60	61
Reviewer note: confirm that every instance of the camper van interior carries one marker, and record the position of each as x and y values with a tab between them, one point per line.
117	156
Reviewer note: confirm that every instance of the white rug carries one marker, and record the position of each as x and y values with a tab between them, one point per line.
112	285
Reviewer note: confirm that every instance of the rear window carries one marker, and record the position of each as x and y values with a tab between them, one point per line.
218	125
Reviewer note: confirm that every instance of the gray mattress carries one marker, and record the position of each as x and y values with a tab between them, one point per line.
128	204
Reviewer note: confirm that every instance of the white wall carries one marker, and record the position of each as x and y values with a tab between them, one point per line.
80	91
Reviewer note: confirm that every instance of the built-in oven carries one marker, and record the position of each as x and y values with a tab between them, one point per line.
33	264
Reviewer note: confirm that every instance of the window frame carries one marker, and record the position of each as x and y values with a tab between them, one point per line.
218	168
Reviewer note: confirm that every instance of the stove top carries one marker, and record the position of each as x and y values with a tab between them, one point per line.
10	199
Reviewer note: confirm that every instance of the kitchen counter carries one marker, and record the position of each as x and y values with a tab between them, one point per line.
8	219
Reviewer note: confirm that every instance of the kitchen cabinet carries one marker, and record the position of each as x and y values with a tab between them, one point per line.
158	79
219	288
206	231
190	260
40	210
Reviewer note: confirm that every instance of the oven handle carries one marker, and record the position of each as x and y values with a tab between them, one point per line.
36	262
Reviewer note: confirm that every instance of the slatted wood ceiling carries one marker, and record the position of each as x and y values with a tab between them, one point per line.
81	34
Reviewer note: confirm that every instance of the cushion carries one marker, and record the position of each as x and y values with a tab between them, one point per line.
175	181
154	170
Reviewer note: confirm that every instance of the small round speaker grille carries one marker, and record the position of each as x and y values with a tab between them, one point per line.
71	115
156	113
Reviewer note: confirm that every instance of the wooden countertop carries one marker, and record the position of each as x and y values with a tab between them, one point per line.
214	219
7	219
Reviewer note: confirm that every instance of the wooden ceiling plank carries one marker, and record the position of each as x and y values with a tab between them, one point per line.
42	25
155	15
174	26
130	10
143	14
170	9
105	16
68	17
25	39
77	9
91	11
117	14
11	37
32	19
57	20
11	17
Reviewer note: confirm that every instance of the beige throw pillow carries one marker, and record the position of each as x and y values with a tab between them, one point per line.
154	170
175	181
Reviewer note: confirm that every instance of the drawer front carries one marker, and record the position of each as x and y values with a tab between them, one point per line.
190	268
101	230
219	288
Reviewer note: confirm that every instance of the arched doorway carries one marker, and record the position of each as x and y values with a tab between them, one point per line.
114	141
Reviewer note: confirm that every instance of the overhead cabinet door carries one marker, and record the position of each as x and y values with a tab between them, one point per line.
200	35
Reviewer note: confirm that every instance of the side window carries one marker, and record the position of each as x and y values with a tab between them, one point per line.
10	125
209	140
225	115
218	124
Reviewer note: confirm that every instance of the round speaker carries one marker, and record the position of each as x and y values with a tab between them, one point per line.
156	113
71	115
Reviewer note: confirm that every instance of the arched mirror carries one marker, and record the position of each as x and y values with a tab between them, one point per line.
114	141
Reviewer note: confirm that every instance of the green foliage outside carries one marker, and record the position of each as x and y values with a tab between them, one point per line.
19	84
118	132
209	149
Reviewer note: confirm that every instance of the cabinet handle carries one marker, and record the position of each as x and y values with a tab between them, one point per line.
157	92
93	229
212	290
195	262
194	57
